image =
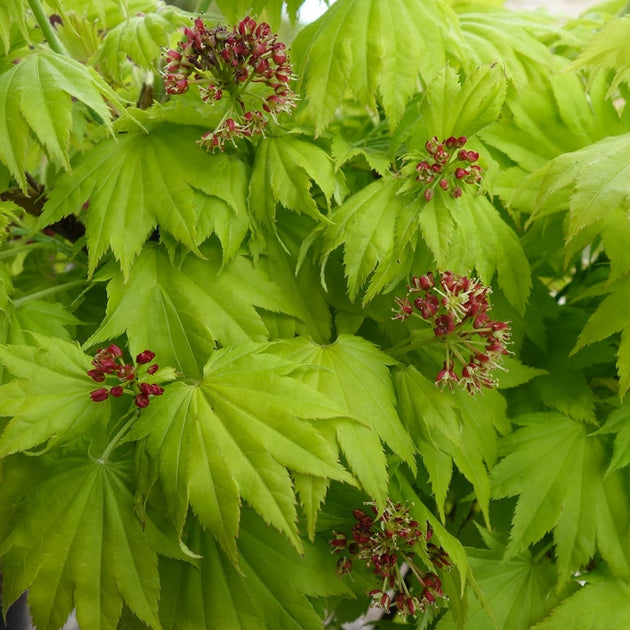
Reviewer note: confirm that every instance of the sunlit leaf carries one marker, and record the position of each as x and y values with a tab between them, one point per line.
50	399
179	312
36	96
143	180
250	411
609	48
557	472
80	545
351	49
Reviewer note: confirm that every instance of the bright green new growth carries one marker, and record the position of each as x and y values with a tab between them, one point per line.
263	278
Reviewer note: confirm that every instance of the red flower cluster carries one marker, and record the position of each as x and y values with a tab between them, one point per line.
109	362
383	542
451	166
248	65
457	307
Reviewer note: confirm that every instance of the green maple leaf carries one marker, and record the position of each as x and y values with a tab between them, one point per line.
354	374
519	591
283	170
474	103
80	545
36	100
557	471
610	317
45	318
49	401
179	312
301	289
481	239
140	38
365	225
463	234
141	180
618	423
269	591
602	604
511	37
351	49
13	13
589	182
250	411
447	432
558	116
609	48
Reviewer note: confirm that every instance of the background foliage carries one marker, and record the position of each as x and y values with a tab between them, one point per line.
263	278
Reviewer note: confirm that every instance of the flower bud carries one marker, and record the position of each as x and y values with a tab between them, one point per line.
142	401
279	57
117	391
96	375
98	395
451	142
145	357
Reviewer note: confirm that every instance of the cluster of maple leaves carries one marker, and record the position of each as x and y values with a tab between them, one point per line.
267	291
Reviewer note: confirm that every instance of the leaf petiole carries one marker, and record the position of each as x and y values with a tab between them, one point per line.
134	412
47	29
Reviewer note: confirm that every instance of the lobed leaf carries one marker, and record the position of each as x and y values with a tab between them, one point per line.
250	411
270	590
519	591
80	545
473	104
608	49
49	401
365	225
140	38
592	180
283	170
350	49
557	471
140	181
179	312
353	373
37	95
600	604
511	38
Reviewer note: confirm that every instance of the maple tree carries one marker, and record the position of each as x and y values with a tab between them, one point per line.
302	320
